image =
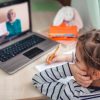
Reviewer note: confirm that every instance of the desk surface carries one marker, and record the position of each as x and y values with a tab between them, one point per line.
19	85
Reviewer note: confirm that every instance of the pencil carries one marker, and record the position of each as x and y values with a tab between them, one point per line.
53	55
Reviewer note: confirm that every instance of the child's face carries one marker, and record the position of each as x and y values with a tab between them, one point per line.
92	72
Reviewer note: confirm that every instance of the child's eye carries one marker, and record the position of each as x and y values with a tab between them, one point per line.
76	59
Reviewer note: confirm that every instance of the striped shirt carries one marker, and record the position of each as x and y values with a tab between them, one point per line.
47	83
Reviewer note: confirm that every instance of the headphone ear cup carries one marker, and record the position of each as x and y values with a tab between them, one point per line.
59	17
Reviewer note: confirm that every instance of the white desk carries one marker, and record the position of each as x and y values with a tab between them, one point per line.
19	85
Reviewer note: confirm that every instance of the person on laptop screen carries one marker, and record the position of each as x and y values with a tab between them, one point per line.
13	24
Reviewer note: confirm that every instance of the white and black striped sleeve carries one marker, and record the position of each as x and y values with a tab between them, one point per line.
52	74
58	91
47	82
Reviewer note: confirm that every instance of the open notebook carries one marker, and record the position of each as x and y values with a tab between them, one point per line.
44	66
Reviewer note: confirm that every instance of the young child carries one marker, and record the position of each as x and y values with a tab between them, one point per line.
87	58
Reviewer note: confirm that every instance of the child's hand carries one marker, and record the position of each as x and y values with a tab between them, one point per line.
50	58
56	58
81	76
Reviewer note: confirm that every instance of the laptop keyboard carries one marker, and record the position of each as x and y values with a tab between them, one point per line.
17	48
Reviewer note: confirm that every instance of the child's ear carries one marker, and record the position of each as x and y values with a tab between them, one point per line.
96	75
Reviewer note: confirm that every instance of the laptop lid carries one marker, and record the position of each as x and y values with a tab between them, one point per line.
15	19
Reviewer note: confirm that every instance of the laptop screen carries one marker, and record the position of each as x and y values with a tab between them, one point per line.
14	20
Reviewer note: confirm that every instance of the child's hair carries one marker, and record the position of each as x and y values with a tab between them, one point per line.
89	47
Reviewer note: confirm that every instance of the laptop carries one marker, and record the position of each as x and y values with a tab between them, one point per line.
19	46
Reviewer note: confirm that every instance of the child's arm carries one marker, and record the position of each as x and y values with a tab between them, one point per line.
66	57
61	58
79	75
54	74
47	83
